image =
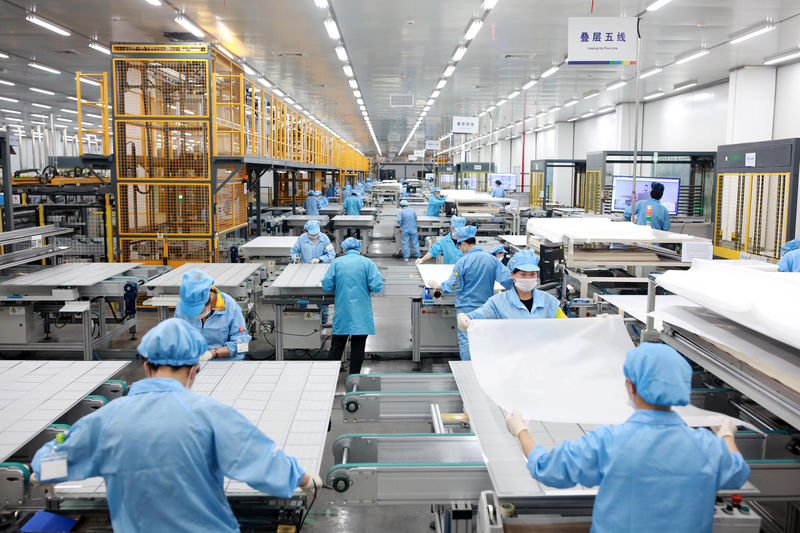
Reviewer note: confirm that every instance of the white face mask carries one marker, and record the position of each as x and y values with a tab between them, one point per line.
313	237
526	284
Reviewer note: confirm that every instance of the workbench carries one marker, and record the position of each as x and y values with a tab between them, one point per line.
359	226
297	223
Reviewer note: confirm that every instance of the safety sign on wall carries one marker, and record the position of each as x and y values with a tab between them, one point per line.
602	40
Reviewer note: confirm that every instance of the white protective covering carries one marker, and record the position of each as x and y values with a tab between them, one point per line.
554	229
557	370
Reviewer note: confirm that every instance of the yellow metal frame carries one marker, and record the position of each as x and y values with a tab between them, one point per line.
593	203
537	199
101	105
165	48
168	184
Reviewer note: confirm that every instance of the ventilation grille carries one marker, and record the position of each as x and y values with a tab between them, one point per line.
288	54
401	100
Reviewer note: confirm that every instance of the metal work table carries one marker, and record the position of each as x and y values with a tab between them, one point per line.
345	225
30	244
238	280
261	247
516	242
297	222
331	210
432	227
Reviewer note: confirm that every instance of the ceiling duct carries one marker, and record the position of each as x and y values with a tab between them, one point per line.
401	100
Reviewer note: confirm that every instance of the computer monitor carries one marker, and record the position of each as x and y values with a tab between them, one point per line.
509	181
621	193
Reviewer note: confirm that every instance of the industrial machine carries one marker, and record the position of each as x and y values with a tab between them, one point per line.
359	226
557	182
474	176
757	198
429	229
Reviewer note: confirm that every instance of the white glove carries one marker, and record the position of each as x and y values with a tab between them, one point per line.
315	260
727	428
313	486
435	285
418	261
463	321
515	423
207	356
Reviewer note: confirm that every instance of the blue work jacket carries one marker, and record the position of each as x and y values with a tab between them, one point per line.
448	249
353	277
434	205
473	278
225	326
659	218
307	250
311	205
407	218
508	305
353	205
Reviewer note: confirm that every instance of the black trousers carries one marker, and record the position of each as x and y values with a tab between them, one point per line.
357	344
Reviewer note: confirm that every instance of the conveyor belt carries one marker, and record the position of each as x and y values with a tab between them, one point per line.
72	274
224	274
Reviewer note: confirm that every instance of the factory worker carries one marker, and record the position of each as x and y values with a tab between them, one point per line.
347	189
655	473
332	191
473	279
790	257
164	451
321	199
525	301
314	247
446	246
407	218
435	203
499	252
659	217
498	191
311	204
353	205
215	314
353	277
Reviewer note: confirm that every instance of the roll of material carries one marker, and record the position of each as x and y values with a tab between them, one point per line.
507	510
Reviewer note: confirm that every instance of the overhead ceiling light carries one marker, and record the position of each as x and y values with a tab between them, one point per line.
488	4
590	95
360	101
248	69
12	111
70	111
529	85
423	113
42	91
13	119
513	95
694	54
353	83
38	115
436	93
684	85
751	32
62	119
430	101
473	29
654	95
7	99
263	81
587	115
298	107
782	57
332	29
38	123
658	4
55	28
357	93
348	71
227	53
341	53
426	108
501	102
459	53
549	72
36	104
362	108
491	108
570	103
554	108
45	68
573	119
277	92
652	72
449	71
322	4
616	85
89	81
99	47
153	2
92	115
189	26
288	100
441	84
606	109
9	83
482	113
540	114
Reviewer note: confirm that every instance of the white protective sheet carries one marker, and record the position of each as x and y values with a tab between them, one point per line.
753	296
554	229
557	370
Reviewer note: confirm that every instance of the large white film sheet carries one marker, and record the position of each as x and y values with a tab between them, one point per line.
557	370
760	300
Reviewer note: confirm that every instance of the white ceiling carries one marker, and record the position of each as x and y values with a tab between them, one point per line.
399	48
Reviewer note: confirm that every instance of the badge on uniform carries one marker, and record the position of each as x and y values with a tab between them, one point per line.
53	466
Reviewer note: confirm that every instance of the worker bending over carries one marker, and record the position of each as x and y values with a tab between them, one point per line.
435	203
322	201
473	279
499	252
659	216
215	314
353	277
353	205
164	451
313	247
446	246
407	218
790	257
655	473
525	301
498	191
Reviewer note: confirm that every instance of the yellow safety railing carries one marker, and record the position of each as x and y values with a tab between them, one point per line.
100	106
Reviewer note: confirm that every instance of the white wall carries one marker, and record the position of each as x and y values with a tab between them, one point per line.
594	135
787	103
546	144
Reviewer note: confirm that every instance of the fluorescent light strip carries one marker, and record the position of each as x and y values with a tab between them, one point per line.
36	104
491	108
227	53
12	111
353	83
332	29
70	111
441	84
62	119
263	81
587	115
590	95
41	91
341	53
691	56
501	102
616	85
529	85
189	26
653	95
277	92
570	103
459	53
348	71
13	119
99	47
549	72
153	2
513	95
606	109
45	68
652	72
38	115
55	28
782	57
752	32
658	4
449	71
473	30
684	85
573	119
89	81
357	93
9	83
322	4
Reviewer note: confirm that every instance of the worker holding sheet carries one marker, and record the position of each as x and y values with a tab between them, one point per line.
313	247
473	279
654	472
525	301
790	257
435	203
446	246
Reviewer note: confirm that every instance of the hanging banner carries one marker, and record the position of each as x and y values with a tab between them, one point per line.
419	153
467	125
412	158
602	40
432	145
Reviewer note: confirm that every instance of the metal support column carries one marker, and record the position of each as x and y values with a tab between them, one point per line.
5	165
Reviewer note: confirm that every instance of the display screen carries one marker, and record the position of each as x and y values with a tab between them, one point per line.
509	181
621	194
447	178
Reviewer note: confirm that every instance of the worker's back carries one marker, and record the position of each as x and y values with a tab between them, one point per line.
790	262
311	205
352	205
353	277
407	218
477	273
659	214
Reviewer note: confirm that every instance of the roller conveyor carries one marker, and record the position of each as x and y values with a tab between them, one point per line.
398	406
400	382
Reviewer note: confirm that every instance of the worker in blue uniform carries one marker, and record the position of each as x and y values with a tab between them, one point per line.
321	199
446	246
353	277
435	203
659	216
790	257
164	451
215	314
407	218
654	472
525	301
311	204
348	188
499	252
353	205
473	279
313	246
498	191
332	191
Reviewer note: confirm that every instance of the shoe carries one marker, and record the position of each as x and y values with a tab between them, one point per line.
406	260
